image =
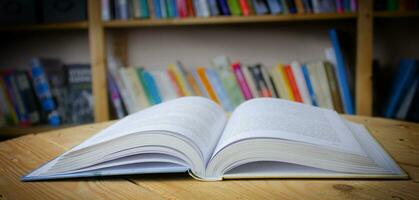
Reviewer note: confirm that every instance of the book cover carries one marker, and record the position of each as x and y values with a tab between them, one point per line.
6	107
293	84
241	80
310	88
274	7
80	93
28	96
219	90
346	95
334	89
222	65
301	83
260	7
234	7
404	77
201	71
224	9
182	8
213	7
115	97
150	84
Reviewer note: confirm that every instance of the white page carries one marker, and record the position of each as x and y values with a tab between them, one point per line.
196	118
282	119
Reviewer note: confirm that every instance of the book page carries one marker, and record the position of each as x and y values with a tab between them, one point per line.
198	119
282	119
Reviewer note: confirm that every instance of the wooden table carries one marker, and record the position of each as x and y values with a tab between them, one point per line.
21	155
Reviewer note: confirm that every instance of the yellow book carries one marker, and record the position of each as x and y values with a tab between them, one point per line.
181	80
138	88
284	80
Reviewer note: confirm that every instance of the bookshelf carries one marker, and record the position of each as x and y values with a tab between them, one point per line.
97	37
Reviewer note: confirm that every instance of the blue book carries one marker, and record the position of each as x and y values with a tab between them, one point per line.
224	10
157	9
274	6
260	7
406	74
121	9
145	13
291	6
213	7
341	74
217	85
163	9
171	8
309	85
151	85
16	98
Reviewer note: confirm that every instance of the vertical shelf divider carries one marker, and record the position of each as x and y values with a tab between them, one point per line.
98	61
364	51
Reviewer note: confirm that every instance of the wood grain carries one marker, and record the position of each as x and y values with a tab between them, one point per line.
98	61
364	45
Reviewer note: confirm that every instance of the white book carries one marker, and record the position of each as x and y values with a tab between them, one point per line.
129	91
263	138
164	85
301	82
127	99
320	84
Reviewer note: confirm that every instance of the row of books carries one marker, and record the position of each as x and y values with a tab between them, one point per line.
396	93
163	9
47	92
229	84
396	5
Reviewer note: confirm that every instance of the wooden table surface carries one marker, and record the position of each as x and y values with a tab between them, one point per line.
21	155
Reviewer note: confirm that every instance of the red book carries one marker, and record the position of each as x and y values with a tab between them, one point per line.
190	8
182	8
293	83
244	7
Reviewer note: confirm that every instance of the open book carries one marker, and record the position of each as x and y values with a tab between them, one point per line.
263	138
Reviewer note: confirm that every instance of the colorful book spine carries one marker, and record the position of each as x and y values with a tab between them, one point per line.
43	92
293	83
320	84
260	82
171	8
244	7
234	7
146	90
241	81
138	87
16	99
203	5
339	6
334	89
224	10
194	85
260	7
207	85
216	84
274	7
115	97
106	10
122	9
163	9
151	86
6	106
190	8
144	8
309	85
287	87
181	79
250	81
182	8
341	74
301	84
157	9
200	84
354	5
132	104
164	85
172	78
28	96
213	7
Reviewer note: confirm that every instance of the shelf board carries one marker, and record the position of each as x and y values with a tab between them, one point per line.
15	131
46	27
395	14
226	20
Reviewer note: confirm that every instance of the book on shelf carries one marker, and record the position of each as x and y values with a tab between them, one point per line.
171	9
396	5
263	138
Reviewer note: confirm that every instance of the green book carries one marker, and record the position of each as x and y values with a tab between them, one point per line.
234	7
392	5
143	84
144	13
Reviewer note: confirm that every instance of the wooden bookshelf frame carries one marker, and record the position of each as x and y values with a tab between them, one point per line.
97	44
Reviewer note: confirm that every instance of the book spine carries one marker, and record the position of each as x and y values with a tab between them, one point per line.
6	107
144	8
115	97
182	8
301	85
339	6
224	10
260	7
354	6
293	83
203	4
341	74
200	84
136	106
241	81
106	10
122	7
28	97
165	85
194	85
274	7
276	82
198	9
180	79
136	8
170	9
157	9
309	86
190	8
174	82
163	9
216	84
287	86
234	7
261	82
205	82
150	83
392	5
123	91
250	81
300	6
407	101
43	92
244	7
308	6
291	6
146	90
316	6
213	7
334	89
